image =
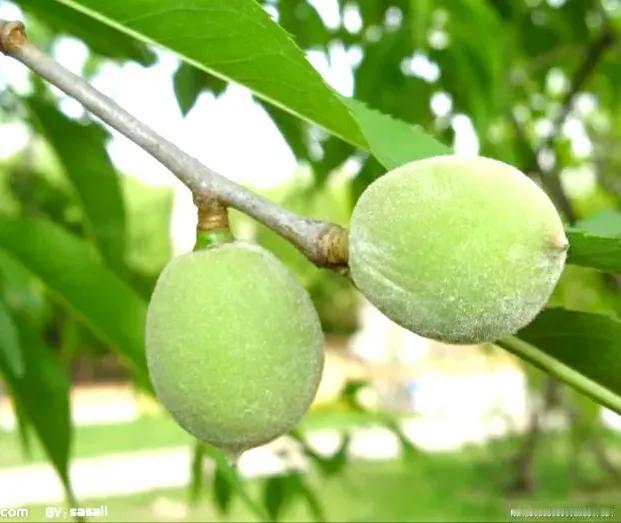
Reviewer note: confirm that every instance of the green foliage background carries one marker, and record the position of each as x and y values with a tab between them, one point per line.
81	245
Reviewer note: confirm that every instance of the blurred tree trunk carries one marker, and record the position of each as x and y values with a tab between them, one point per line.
524	460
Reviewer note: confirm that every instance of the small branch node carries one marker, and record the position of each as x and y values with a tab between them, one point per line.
212	214
12	36
334	247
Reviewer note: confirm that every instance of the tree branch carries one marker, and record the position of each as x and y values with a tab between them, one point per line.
589	63
551	178
324	243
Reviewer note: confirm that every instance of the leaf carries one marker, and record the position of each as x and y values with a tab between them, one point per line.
82	153
10	350
100	38
587	342
277	492
280	491
393	142
580	348
41	394
410	452
189	82
328	466
312	501
222	491
81	281
230	476
605	223
237	41
590	250
196	478
292	130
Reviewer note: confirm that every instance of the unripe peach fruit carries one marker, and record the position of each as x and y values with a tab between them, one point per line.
461	250
234	345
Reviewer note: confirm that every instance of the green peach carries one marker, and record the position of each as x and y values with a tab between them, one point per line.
234	345
461	250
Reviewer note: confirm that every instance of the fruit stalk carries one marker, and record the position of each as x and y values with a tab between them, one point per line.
212	225
324	243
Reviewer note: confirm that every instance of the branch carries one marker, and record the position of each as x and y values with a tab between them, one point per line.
551	179
591	60
324	243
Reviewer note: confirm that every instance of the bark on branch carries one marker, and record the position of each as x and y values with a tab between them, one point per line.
324	243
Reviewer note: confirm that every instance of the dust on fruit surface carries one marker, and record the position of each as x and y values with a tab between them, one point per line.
234	345
461	250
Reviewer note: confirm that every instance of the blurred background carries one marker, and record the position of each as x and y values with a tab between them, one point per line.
402	428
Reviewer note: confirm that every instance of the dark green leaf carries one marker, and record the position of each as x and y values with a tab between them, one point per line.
24	429
590	250
100	38
78	279
281	491
277	491
589	343
335	463
330	465
300	19
230	476
312	501
292	129
197	475
222	491
82	153
409	450
10	349
41	394
189	82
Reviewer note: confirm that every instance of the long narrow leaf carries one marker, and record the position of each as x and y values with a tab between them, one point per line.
237	41
82	152
80	280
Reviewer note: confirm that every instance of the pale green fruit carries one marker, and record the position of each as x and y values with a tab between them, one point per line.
234	345
461	250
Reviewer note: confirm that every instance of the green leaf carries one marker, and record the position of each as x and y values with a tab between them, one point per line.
292	130
81	281
276	493
222	491
280	491
196	478
10	349
590	250
410	452
100	38
230	476
393	142
237	41
41	394
605	223
189	82
311	500
580	348
81	150
588	342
